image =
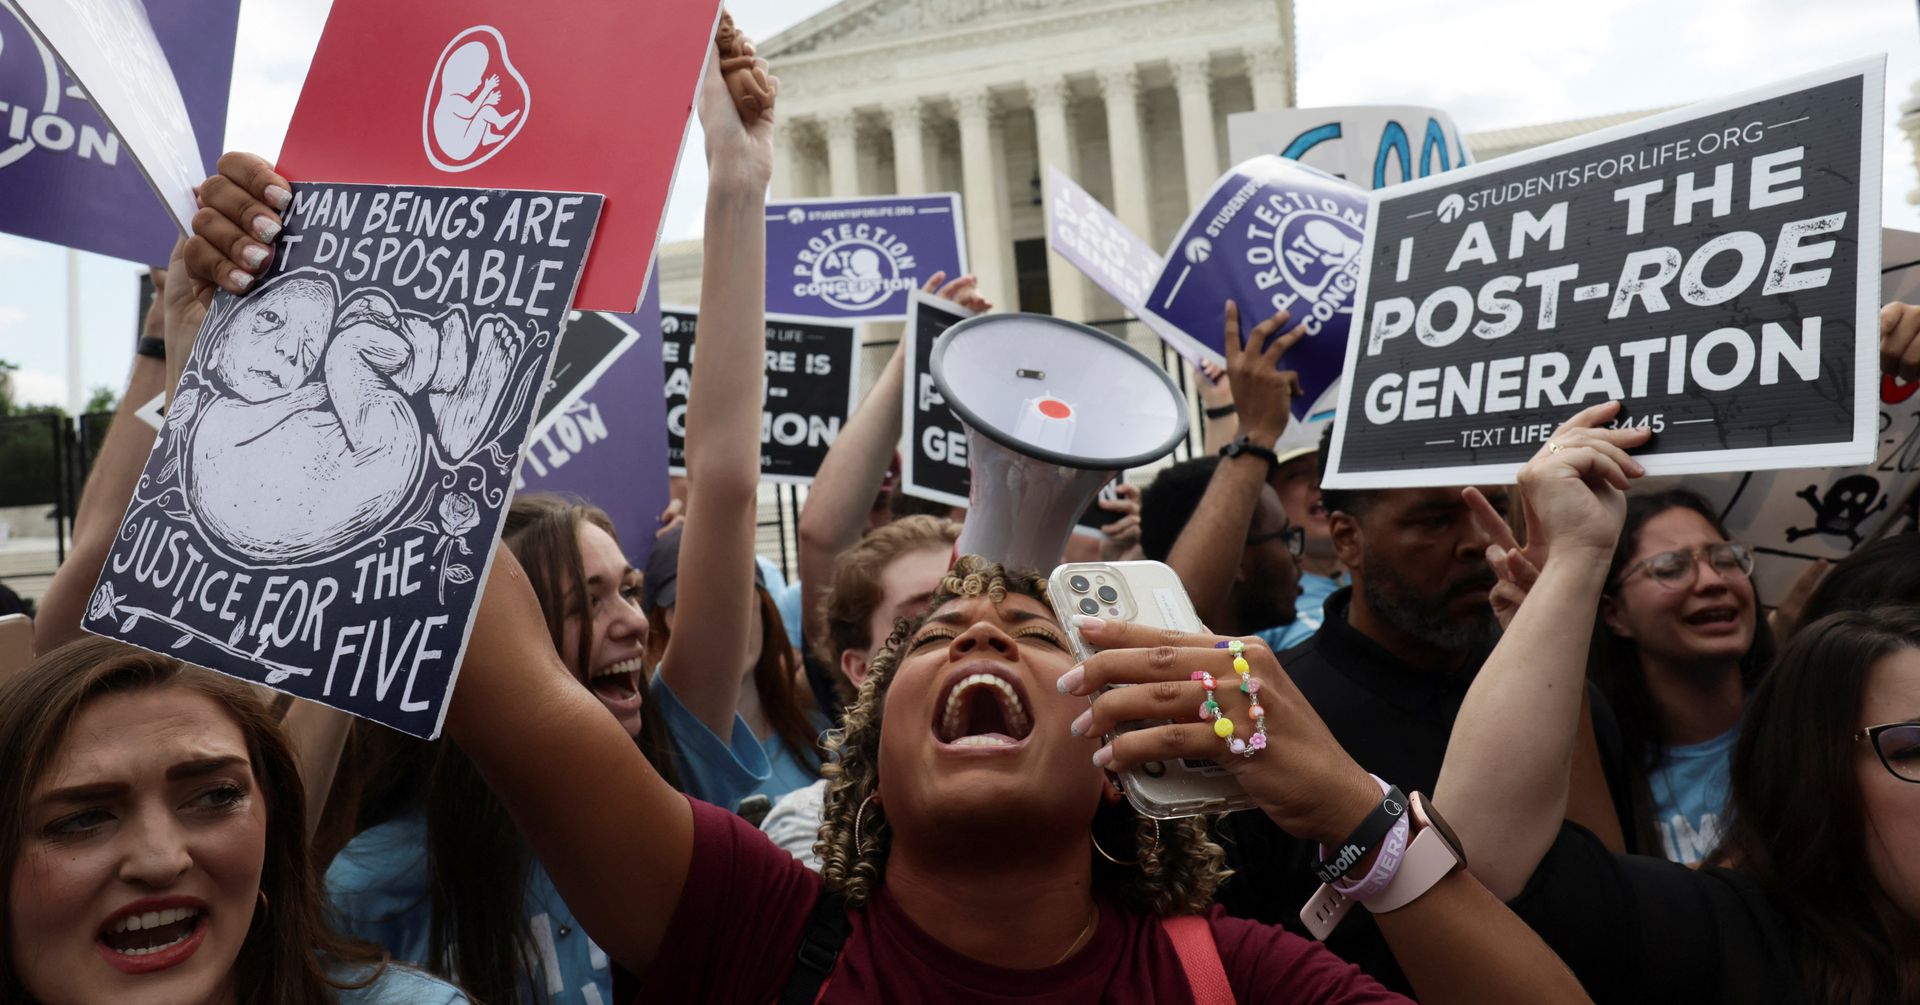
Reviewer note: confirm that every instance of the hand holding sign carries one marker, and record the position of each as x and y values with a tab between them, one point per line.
234	229
1263	392
1900	341
1575	487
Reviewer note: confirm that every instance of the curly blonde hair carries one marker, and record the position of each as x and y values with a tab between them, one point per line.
1177	871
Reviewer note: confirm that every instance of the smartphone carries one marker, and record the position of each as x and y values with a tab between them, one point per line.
1146	593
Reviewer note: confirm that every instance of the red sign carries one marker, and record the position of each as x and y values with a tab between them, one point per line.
586	96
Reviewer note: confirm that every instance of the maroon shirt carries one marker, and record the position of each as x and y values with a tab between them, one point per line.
738	926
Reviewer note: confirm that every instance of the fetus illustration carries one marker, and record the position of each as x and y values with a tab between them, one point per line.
319	417
472	110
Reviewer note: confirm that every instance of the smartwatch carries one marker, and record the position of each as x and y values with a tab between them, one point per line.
1241	446
1431	856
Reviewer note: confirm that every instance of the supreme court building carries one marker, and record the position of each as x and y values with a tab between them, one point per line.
1128	97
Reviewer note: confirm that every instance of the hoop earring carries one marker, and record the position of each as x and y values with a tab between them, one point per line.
264	904
859	815
1142	857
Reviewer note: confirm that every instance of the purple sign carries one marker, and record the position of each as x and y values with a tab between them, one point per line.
860	258
65	177
609	446
1272	235
1084	233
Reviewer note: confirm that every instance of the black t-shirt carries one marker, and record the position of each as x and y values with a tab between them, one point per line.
1639	930
1395	720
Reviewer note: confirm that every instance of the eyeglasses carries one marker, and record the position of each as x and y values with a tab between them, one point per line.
1296	538
1676	570
1898	744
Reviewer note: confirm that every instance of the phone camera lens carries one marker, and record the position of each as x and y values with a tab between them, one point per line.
1109	594
1079	584
1087	606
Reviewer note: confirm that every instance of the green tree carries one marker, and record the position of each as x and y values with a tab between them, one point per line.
104	400
28	472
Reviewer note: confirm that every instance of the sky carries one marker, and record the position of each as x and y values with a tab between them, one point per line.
1491	64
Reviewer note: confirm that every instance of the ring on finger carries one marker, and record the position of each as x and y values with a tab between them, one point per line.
1554	447
1224	727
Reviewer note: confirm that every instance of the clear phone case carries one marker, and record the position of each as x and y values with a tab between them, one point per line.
1146	593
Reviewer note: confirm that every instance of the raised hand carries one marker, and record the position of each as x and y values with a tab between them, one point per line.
235	227
1301	778
1574	490
964	291
1263	392
1900	341
1119	539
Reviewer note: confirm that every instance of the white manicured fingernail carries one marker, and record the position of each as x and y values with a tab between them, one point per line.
279	197
253	256
239	279
265	229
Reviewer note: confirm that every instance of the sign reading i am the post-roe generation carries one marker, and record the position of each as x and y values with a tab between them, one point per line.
1715	269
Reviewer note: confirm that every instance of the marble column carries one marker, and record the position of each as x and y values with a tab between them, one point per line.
909	148
1120	86
985	190
786	161
1193	78
1066	287
843	154
1910	124
1271	77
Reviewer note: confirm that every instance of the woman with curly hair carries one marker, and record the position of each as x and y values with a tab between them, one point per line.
974	847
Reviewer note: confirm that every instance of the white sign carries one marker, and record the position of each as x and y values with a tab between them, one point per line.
1372	146
110	50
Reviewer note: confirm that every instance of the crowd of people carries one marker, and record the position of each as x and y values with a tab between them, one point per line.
657	786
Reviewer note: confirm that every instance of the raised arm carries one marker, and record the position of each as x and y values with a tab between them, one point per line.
616	839
1505	779
116	470
849	478
1207	553
724	405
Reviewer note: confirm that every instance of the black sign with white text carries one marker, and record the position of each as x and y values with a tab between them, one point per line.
1706	267
813	382
934	458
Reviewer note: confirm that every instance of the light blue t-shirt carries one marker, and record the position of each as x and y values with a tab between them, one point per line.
398	985
725	773
1689	793
786	599
379	888
1309	612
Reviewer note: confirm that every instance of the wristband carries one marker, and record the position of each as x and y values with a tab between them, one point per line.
151	347
1220	411
1241	446
1372	830
1385	864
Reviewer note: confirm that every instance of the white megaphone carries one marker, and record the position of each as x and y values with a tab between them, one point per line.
1054	410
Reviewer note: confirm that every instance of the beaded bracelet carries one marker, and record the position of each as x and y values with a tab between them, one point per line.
1223	727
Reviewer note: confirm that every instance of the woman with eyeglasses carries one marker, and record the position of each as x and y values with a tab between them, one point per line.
1813	897
1677	647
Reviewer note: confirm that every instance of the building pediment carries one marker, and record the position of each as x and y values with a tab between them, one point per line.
858	24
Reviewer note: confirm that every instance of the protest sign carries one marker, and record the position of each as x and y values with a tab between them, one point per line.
592	342
813	383
502	94
1794	517
1272	235
1372	146
318	514
860	258
69	177
1095	241
609	445
1706	267
933	461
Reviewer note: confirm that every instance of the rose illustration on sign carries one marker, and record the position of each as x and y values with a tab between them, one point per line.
477	101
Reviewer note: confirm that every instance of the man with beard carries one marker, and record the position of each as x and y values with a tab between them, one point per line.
1387	672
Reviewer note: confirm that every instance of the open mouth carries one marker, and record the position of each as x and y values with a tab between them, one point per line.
982	709
137	942
1713	616
617	683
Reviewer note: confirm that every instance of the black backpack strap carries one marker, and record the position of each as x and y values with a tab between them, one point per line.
826	932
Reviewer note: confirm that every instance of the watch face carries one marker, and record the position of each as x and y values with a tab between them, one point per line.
1423	811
